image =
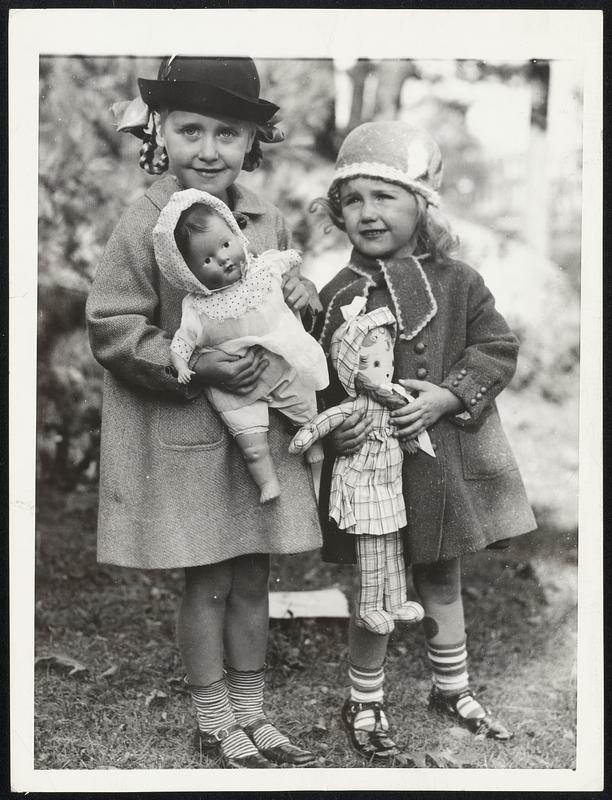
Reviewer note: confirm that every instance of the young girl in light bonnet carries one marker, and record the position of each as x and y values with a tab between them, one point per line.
455	353
174	490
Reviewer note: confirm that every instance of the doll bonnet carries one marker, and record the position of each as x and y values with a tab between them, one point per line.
169	259
393	151
347	339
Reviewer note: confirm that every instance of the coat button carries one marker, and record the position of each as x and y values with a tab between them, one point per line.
483	388
421	373
478	396
419	347
434	446
459	377
464	371
473	401
455	383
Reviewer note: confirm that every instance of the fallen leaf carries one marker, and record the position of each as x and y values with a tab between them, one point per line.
64	662
155	698
418	759
108	673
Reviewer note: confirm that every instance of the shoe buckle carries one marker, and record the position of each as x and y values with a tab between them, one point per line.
220	734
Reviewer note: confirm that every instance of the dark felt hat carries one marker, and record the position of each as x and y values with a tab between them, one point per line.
215	84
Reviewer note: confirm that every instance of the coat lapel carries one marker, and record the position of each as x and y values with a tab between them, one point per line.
412	301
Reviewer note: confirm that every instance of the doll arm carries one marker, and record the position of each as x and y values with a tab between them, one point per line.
489	359
320	426
300	293
122	311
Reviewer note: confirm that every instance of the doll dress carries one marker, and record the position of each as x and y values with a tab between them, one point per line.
366	489
252	312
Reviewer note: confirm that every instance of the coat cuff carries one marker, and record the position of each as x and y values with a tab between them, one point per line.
475	392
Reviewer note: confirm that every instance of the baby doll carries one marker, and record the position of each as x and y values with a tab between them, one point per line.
366	496
234	302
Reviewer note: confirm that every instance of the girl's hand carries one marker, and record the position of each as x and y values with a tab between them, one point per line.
237	374
300	293
350	435
432	403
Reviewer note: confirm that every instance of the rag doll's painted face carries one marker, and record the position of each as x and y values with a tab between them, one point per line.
213	253
376	356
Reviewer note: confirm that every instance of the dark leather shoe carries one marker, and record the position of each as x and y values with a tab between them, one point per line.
281	753
211	745
375	744
484	726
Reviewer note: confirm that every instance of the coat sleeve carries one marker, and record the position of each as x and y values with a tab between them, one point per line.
121	312
489	359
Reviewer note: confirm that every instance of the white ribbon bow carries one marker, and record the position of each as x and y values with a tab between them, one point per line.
354	309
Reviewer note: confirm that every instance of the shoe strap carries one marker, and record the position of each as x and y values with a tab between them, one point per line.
216	737
255	725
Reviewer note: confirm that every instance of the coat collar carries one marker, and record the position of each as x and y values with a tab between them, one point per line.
412	301
243	202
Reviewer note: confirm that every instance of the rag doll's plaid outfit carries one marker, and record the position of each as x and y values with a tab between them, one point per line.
366	492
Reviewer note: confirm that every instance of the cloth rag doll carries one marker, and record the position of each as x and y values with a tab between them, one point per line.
366	497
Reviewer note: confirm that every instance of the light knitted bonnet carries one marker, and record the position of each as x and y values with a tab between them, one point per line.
169	259
393	151
348	338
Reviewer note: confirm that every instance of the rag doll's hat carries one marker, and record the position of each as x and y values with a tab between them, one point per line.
347	339
392	151
169	259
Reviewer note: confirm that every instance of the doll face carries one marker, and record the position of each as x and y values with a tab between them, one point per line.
215	255
381	218
376	356
205	152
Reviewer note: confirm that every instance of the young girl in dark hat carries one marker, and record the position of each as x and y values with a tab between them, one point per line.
174	490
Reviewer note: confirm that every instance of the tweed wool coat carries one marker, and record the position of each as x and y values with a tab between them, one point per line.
174	491
450	334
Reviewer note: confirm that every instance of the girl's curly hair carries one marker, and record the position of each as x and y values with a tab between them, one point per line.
434	235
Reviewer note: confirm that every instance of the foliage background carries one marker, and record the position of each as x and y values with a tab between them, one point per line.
515	206
109	690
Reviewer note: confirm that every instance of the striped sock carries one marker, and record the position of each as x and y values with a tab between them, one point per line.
450	676
366	687
246	689
214	713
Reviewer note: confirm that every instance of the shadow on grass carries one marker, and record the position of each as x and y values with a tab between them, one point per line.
125	706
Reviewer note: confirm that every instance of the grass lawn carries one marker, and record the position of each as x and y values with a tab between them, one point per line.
109	690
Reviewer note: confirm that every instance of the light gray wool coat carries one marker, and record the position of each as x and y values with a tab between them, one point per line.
174	490
450	334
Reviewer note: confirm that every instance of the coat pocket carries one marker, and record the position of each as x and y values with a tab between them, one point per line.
192	424
485	450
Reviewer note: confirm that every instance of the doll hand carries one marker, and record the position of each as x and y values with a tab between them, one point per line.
237	374
432	403
350	435
294	291
302	439
184	374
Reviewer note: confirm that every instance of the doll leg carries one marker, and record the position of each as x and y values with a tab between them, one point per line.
370	612
249	427
300	406
258	459
395	582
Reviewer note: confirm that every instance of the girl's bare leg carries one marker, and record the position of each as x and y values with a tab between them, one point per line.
246	623
254	448
201	621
